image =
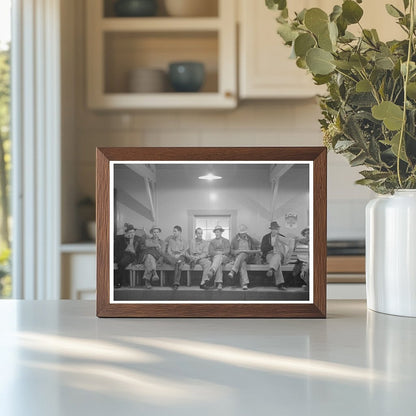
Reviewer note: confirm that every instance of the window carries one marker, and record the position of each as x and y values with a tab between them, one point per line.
5	160
209	222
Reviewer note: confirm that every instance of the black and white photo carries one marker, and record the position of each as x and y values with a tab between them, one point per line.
211	232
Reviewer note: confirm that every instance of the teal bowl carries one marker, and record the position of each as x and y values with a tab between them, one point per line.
135	8
186	76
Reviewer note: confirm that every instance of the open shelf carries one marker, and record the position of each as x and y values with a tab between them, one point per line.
127	51
160	24
211	9
118	45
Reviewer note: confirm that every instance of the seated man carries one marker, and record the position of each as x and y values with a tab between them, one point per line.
300	274
240	245
175	254
153	249
198	254
126	251
276	251
219	250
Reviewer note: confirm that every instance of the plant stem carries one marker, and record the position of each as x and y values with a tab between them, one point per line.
406	79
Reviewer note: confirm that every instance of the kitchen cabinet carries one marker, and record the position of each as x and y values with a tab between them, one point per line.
78	263
118	45
265	70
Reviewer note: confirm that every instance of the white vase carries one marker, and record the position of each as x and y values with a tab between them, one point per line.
391	253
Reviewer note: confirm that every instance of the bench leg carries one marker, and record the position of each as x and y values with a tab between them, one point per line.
162	278
188	278
132	275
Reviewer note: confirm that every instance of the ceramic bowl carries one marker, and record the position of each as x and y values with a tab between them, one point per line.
135	8
186	76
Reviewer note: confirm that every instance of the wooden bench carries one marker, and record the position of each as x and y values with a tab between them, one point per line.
135	269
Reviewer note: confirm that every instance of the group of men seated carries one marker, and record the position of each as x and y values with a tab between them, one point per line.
151	250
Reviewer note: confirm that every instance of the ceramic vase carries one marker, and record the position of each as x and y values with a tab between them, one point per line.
391	253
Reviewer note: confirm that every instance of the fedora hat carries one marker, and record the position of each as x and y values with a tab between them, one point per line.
129	227
242	229
274	225
218	227
155	227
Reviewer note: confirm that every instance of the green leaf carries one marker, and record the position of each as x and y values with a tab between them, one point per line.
325	42
411	90
276	4
384	62
365	182
347	37
406	4
301	63
301	15
375	35
393	11
363	86
391	114
287	33
351	11
358	61
342	25
374	175
344	65
336	12
353	131
303	43
394	144
368	36
316	20
319	61
321	79
333	32
358	160
343	145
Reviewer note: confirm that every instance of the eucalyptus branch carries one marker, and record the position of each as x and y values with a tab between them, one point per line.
406	79
346	75
373	88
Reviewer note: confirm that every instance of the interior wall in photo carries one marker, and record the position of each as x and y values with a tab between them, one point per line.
243	189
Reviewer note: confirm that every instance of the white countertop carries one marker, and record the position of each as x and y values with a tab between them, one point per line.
57	358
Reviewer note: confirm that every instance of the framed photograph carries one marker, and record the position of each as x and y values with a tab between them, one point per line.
211	232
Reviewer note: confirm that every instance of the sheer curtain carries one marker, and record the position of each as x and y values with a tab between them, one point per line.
36	148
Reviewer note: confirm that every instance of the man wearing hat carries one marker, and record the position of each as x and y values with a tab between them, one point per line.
198	254
275	251
127	248
241	244
153	250
219	250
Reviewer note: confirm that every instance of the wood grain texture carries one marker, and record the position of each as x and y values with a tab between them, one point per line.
317	309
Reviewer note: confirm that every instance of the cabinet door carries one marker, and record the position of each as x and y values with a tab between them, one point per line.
266	71
78	276
265	68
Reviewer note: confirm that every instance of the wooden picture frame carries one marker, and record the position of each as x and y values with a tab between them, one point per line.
112	302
